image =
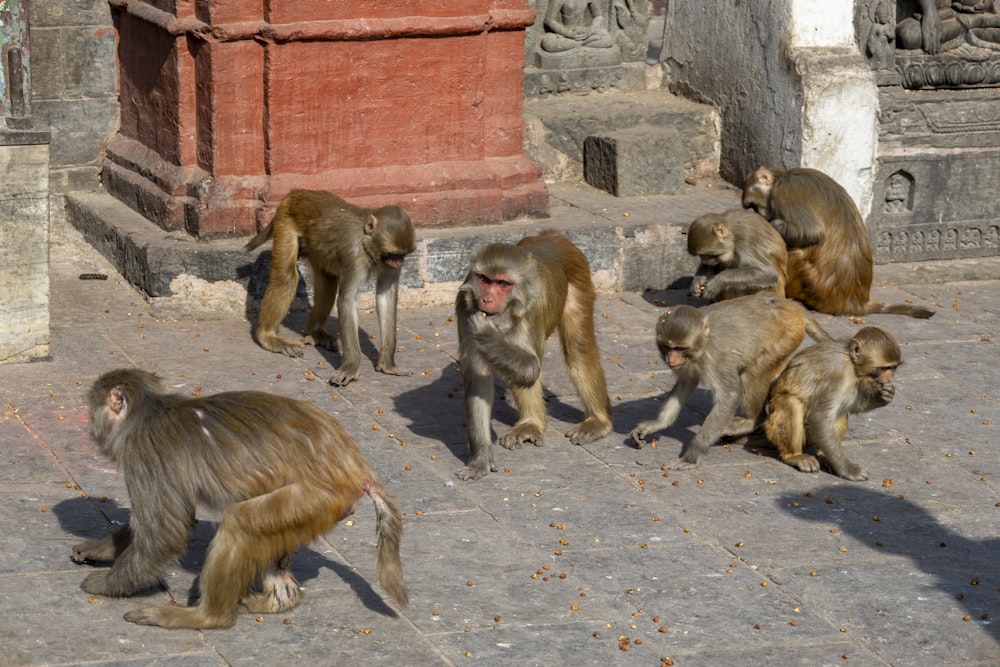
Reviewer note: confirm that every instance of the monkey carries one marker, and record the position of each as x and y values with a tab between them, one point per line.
740	254
345	244
823	384
733	347
283	471
513	298
829	252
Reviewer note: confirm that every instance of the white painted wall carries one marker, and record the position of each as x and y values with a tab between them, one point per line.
790	84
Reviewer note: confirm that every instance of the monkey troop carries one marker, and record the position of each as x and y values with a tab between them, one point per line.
283	471
345	245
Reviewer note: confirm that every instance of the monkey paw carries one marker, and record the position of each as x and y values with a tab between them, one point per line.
282	346
322	339
640	432
854	473
588	430
392	369
803	462
517	436
342	377
681	464
94	551
100	583
473	472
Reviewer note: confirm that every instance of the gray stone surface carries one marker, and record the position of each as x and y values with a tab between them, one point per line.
898	570
639	160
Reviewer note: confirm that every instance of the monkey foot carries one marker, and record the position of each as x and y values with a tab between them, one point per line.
179	617
471	472
392	370
588	430
681	465
342	378
282	346
322	339
803	462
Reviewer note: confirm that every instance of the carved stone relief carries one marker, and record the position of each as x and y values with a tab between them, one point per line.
580	46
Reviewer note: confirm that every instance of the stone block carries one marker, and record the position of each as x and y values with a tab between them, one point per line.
635	161
24	252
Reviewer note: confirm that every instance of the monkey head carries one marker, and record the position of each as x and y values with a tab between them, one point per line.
710	238
498	274
389	236
876	356
681	333
112	398
757	190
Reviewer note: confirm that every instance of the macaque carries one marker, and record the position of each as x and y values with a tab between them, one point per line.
829	253
512	300
822	385
283	471
735	348
740	254
345	245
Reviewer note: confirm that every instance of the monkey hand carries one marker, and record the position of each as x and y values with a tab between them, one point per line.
344	376
640	432
698	286
520	434
474	471
94	551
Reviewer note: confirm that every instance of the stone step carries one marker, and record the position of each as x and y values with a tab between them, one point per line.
558	128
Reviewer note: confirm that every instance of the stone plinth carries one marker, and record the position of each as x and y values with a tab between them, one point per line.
24	243
636	161
225	107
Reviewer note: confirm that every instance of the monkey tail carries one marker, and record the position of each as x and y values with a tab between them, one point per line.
899	309
389	529
262	237
815	331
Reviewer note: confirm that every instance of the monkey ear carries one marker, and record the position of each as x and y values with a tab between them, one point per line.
371	224
856	350
765	176
721	231
116	401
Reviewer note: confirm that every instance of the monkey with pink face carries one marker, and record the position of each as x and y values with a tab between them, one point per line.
513	299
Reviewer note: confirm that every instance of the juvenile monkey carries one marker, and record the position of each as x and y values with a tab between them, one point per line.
740	254
735	348
345	245
512	300
283	471
829	253
822	385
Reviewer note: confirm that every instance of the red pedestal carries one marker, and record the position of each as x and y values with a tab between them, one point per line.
228	104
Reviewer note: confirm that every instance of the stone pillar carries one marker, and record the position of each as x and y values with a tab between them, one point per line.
228	104
24	202
789	81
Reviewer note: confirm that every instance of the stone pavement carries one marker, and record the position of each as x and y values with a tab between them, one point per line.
568	555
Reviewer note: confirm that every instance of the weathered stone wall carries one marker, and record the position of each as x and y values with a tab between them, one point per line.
791	86
24	245
74	86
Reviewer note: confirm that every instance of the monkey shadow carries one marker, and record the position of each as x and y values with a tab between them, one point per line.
906	529
674	294
77	516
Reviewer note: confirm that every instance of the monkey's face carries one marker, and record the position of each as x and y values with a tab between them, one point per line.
757	191
722	259
674	355
493	292
393	260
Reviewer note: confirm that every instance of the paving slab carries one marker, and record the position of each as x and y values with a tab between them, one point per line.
567	554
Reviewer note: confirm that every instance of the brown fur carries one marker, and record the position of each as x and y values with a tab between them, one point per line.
345	245
735	348
740	254
548	287
822	385
283	471
829	252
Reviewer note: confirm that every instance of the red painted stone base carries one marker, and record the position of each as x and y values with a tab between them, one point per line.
413	102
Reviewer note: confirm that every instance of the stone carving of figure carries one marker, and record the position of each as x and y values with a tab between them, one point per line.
941	25
880	39
575	24
632	18
897	194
